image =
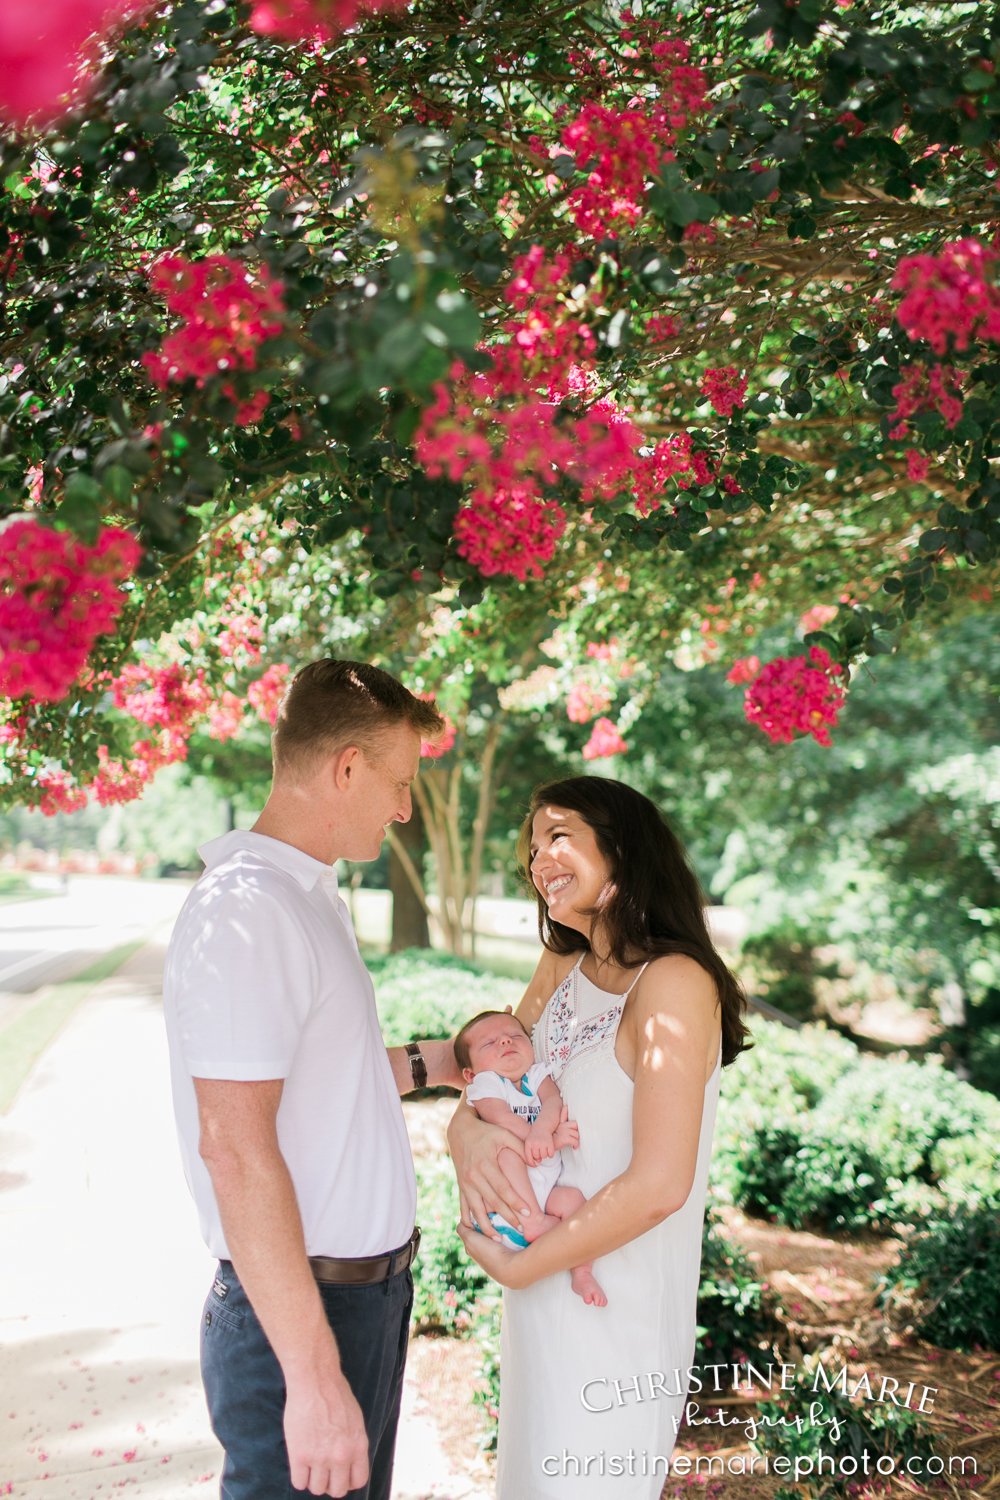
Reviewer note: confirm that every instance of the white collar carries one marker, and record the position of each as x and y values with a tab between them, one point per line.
306	870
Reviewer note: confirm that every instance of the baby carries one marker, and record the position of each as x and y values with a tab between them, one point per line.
507	1087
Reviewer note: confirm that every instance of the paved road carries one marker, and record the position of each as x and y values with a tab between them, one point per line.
102	1269
47	940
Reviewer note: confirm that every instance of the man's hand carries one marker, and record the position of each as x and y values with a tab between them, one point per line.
325	1436
538	1145
324	1428
566	1133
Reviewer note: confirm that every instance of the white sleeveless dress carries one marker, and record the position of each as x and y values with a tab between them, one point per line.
558	1355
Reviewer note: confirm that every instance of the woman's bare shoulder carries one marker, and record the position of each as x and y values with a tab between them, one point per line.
548	976
676	976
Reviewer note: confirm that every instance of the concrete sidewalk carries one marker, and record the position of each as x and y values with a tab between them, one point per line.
103	1275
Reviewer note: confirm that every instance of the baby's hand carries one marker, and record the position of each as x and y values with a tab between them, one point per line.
538	1145
566	1133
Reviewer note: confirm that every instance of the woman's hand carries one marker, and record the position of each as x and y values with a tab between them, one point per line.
503	1265
483	1189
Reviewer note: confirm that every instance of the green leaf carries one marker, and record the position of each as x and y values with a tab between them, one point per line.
80	511
117	483
456	318
978	82
402	346
469	150
967	431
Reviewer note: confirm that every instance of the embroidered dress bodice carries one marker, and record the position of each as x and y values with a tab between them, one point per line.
580	1022
559	1357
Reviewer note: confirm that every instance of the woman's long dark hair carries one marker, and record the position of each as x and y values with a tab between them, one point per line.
654	904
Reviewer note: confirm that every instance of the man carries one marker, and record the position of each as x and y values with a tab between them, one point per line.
287	1104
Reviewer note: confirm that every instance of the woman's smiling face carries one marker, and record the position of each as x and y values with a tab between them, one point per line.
567	867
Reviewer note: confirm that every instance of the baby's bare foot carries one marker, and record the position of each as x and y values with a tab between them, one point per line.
583	1283
534	1228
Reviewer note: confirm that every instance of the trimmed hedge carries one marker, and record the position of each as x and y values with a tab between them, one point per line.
839	1140
423	993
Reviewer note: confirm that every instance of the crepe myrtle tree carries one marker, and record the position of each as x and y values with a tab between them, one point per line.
483	297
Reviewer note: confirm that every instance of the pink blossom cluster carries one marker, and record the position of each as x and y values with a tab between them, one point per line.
308	20
917	465
169	700
922	389
498	428
604	741
670	459
585	701
60	794
744	670
817	617
242	631
794	695
661	327
47	48
266	693
434	749
508	532
625	150
622	148
225	716
726	389
950	296
227	313
162	697
57	595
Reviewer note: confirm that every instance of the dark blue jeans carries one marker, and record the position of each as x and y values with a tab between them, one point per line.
246	1389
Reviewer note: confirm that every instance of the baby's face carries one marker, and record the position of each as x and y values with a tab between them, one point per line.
498	1045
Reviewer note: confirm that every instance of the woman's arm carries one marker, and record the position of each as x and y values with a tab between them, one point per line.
677	1028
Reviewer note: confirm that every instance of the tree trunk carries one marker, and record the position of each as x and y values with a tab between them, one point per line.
409	919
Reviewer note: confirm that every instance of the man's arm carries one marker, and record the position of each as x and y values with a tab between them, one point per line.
324	1428
442	1067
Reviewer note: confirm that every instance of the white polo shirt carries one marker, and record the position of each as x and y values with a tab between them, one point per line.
264	980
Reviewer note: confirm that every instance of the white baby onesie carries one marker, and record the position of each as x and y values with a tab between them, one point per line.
489	1085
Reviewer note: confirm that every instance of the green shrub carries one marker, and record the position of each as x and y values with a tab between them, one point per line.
949	1273
804	1421
423	993
450	1291
771	1089
902	1110
732	1319
846	1141
447	1285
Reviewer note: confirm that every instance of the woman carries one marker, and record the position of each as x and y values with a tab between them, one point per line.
636	1013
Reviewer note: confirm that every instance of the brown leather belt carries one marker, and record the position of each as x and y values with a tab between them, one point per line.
365	1270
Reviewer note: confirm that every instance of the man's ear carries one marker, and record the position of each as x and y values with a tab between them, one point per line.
508	1010
345	768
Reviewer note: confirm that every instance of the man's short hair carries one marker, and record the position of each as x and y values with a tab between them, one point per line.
461	1043
332	704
